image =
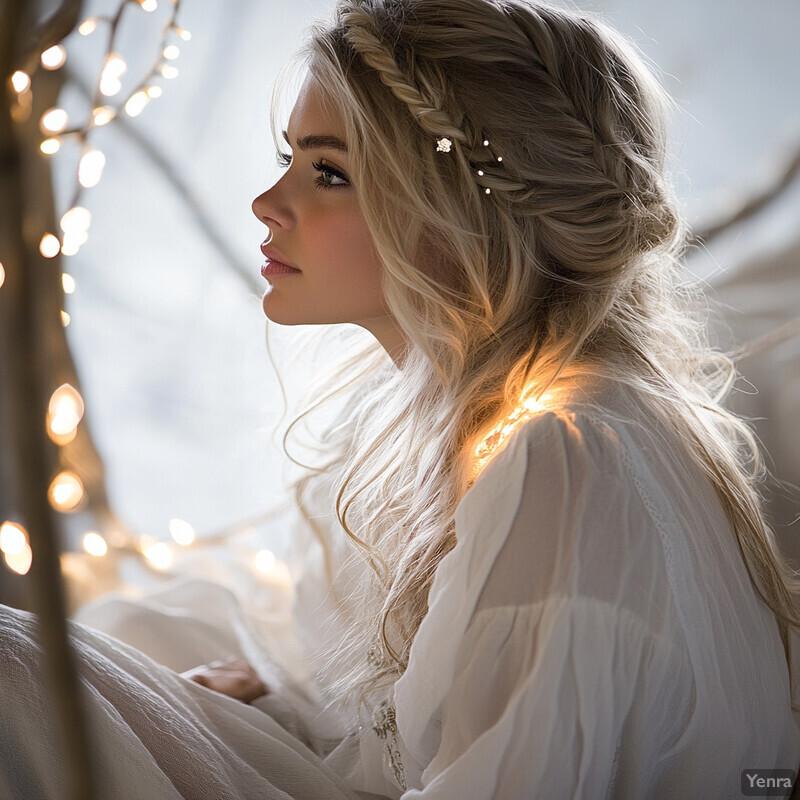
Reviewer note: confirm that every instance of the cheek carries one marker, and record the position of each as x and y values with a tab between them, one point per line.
352	255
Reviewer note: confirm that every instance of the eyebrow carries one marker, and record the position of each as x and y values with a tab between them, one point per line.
324	141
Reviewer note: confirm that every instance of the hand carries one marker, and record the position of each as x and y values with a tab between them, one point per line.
231	676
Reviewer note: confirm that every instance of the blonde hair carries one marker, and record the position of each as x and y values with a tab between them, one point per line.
571	265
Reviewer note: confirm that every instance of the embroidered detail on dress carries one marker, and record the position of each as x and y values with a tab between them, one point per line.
385	726
375	656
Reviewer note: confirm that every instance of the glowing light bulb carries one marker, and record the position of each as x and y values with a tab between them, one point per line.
265	561
20	562
67	283
102	115
148	5
49	245
2	274
87	26
114	65
65	318
90	168
21	81
50	146
159	555
13	538
171	52
94	544
181	531
136	103
64	410
169	72
70	246
66	491
113	69
184	34
76	220
54	57
110	86
54	120
154	91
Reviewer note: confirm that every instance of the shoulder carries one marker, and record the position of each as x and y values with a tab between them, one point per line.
572	448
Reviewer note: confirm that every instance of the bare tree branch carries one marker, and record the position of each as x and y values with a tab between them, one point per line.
755	203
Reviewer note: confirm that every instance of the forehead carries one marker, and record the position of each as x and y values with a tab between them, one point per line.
313	113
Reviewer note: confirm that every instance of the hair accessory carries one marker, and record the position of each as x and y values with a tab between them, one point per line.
444	145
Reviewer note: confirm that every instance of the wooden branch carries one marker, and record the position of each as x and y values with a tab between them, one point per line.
30	312
753	204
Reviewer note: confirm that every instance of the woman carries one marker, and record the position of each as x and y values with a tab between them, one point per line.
548	575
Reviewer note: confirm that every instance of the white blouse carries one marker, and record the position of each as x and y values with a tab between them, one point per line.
593	634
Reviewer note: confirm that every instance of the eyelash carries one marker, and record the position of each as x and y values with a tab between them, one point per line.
284	160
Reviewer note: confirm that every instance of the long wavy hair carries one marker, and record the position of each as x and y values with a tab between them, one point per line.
547	241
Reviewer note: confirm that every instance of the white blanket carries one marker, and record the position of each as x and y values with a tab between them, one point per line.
156	734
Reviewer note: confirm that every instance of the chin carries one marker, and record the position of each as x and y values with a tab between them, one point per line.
273	312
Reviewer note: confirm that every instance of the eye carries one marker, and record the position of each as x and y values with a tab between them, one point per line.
327	172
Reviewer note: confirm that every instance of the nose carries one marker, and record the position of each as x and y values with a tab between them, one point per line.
271	210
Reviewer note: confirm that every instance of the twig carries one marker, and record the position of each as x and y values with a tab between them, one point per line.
754	204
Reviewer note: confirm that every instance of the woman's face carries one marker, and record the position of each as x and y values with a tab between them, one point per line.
317	227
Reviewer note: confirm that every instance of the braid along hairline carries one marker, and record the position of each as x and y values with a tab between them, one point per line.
363	36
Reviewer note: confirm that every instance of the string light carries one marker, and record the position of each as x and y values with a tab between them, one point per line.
67	282
90	168
49	245
76	220
54	57
87	26
21	81
136	103
64	411
181	531
2	274
20	562
15	547
13	538
54	120
113	69
66	491
159	555
50	146
94	544
102	115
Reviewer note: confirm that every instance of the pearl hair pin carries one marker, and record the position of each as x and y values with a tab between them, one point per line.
444	145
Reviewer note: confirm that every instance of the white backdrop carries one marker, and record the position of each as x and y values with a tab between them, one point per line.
168	335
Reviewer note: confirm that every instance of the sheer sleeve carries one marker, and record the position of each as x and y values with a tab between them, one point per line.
567	638
539	708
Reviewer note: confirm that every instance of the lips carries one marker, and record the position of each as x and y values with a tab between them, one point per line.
274	255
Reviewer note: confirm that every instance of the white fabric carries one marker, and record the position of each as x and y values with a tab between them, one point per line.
594	634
